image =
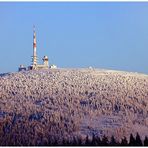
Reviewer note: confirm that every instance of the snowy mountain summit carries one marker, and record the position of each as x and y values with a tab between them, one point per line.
57	103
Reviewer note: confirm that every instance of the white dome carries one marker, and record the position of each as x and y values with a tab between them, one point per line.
45	58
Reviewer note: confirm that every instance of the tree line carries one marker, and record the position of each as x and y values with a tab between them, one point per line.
104	141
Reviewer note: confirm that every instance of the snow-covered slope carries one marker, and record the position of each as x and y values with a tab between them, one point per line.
57	103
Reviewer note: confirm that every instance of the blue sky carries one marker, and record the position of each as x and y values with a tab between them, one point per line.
108	35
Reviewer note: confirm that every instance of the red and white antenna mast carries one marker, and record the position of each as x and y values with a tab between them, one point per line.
34	59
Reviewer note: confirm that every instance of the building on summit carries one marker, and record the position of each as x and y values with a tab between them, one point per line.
22	68
34	65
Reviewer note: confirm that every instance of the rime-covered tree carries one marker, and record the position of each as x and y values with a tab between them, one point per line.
58	101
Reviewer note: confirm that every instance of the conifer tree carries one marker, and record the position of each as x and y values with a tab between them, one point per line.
138	140
55	142
79	141
113	141
87	142
94	140
146	141
98	141
49	141
68	142
124	142
75	142
63	142
132	141
104	141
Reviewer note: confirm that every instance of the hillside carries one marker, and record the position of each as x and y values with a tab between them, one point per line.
57	103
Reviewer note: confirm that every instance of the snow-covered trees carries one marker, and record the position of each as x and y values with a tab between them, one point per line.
71	102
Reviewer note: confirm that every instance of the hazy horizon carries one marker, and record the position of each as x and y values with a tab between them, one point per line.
108	35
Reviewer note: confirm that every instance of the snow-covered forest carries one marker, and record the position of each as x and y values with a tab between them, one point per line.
68	103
